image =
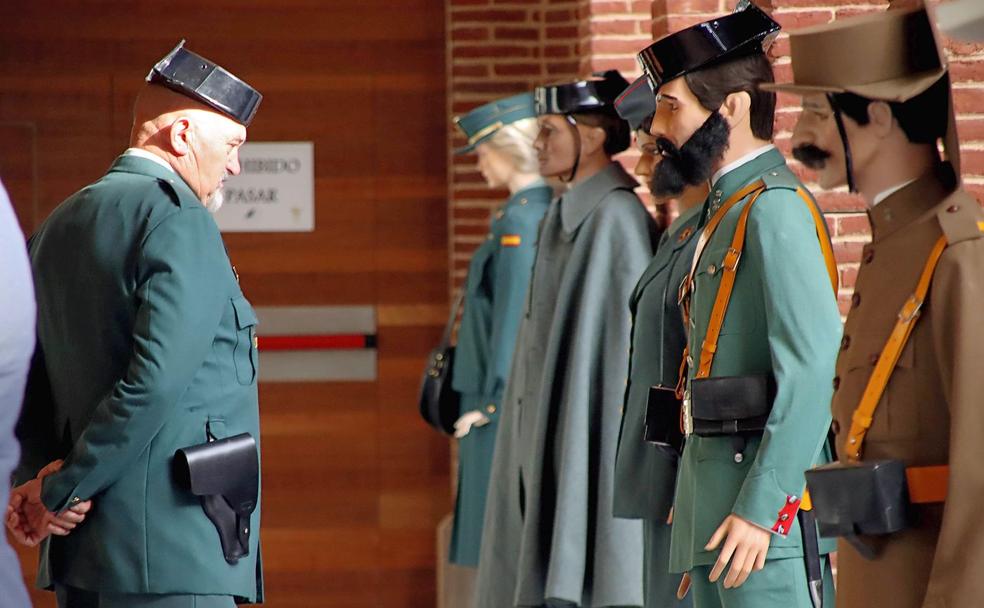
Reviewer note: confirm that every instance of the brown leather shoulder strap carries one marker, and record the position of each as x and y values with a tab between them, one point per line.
730	270
865	412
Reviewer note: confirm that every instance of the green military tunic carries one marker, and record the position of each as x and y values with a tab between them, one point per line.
782	319
146	343
495	290
645	474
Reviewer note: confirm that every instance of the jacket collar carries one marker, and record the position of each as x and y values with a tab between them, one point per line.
906	205
678	234
521	196
578	203
740	176
129	163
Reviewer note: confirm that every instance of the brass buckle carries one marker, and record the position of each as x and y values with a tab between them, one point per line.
736	257
910	310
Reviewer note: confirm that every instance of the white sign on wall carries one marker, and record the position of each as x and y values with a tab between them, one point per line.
274	191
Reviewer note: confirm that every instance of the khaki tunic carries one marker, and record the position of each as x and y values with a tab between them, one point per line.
932	411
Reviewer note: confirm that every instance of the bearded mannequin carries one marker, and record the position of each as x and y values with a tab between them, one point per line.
758	293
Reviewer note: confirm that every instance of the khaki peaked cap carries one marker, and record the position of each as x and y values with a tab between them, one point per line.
889	56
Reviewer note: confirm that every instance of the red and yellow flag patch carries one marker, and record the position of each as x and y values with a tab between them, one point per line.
510	240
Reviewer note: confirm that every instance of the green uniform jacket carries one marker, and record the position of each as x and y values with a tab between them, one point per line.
146	341
645	475
498	278
783	319
549	535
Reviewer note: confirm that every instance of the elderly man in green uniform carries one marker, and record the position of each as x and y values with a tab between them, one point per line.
502	134
763	325
144	381
907	402
645	473
550	537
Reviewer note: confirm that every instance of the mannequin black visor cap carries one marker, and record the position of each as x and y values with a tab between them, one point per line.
741	33
580	96
196	77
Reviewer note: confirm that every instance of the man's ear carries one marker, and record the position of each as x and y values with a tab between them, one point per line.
592	139
736	108
179	136
880	118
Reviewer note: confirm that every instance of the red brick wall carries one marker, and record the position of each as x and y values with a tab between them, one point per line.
504	46
497	48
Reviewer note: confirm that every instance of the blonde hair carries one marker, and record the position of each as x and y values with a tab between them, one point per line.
515	140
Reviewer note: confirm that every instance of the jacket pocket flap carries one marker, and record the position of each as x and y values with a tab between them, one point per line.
245	316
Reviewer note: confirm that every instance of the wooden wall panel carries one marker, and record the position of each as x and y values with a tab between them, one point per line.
353	483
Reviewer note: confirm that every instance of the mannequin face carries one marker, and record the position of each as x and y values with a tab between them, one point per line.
496	167
555	146
648	154
678	113
690	139
818	145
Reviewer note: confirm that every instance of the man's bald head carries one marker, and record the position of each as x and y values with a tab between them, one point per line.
198	142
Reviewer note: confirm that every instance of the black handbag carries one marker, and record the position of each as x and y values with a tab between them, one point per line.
440	405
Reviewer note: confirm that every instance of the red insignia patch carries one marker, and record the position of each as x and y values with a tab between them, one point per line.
685	234
787	514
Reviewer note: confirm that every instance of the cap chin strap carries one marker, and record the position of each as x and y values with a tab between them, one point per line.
848	160
577	149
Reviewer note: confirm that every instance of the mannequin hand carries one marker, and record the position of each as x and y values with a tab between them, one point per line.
684	587
464	425
745	546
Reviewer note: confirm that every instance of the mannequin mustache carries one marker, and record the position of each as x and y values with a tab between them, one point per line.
811	156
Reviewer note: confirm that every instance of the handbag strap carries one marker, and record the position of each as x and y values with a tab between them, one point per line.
446	336
865	412
730	266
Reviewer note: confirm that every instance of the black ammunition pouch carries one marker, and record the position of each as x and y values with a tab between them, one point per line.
663	425
735	405
855	498
225	473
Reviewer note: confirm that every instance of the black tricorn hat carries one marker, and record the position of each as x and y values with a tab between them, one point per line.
193	75
748	30
580	96
636	103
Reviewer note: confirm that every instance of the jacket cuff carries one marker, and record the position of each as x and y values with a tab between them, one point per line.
764	503
58	492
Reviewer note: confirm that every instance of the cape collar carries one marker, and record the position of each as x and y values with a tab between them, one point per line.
578	203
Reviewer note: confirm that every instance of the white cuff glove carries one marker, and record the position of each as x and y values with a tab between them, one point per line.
464	424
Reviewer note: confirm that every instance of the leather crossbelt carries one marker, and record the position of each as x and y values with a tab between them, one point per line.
730	267
926	484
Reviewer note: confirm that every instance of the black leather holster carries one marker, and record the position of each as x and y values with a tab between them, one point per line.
733	405
225	473
855	498
663	418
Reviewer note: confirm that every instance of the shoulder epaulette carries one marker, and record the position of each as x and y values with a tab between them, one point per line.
168	189
781	178
960	217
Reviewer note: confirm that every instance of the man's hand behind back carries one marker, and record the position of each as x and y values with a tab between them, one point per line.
29	520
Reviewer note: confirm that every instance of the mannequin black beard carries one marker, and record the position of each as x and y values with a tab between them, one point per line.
813	157
693	162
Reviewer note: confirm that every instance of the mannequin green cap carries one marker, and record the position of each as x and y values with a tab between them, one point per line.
485	121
